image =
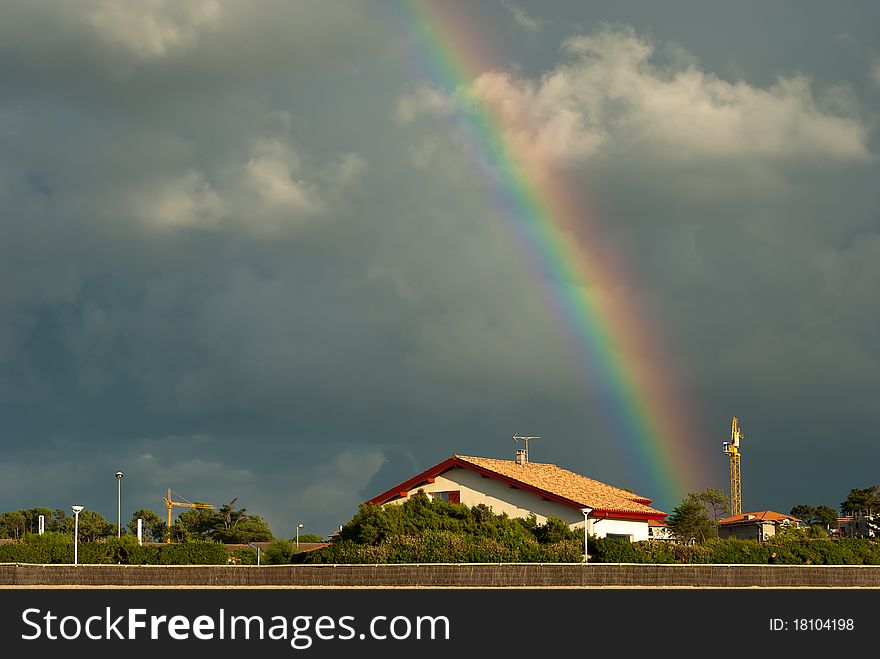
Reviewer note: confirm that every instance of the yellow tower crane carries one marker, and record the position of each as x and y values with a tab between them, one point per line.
170	503
731	449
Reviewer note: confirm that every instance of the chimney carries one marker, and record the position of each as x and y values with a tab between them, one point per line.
522	456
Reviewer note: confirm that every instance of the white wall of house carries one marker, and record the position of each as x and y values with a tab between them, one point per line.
659	533
634	530
474	489
859	526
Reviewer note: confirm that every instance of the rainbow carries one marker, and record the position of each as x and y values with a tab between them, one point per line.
619	349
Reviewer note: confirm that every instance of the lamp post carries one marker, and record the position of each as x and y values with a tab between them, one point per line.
586	511
119	476
298	527
76	511
257	547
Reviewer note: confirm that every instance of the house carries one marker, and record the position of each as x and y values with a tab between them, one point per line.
657	530
858	525
521	488
760	525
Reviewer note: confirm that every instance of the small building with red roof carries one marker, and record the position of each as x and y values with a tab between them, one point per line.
759	525
657	530
521	488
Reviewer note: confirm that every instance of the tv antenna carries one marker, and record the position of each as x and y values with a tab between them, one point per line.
522	454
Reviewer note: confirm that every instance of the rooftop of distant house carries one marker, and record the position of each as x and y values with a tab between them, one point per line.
758	516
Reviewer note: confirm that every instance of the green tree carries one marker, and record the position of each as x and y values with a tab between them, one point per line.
280	552
235	526
228	516
827	516
370	525
60	520
199	523
804	512
310	537
555	530
430	530
696	519
715	501
689	521
32	519
226	524
12	525
823	516
178	533
862	500
92	526
153	526
247	528
792	532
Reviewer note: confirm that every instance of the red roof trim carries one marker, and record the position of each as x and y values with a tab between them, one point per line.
454	461
608	513
413	482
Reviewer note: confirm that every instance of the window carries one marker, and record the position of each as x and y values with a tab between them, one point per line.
452	496
620	536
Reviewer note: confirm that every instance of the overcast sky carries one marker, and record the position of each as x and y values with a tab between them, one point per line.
245	252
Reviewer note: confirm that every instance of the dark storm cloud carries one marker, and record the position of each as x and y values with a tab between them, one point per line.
241	256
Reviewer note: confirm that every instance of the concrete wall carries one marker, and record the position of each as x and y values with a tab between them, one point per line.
501	498
478	575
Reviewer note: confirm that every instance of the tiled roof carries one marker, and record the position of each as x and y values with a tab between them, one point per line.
566	484
759	516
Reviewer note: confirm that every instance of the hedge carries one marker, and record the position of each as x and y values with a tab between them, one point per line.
444	547
56	548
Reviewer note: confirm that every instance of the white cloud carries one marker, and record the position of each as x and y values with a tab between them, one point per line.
185	201
265	186
151	29
520	16
611	94
271	174
544	121
424	100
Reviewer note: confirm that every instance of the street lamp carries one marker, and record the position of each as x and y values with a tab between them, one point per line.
298	527
119	476
586	511
76	511
257	547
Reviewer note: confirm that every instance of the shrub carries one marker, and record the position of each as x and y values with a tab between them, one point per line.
696	554
280	552
193	553
734	551
614	550
654	551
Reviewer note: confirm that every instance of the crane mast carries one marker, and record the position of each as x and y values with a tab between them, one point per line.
170	503
731	449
